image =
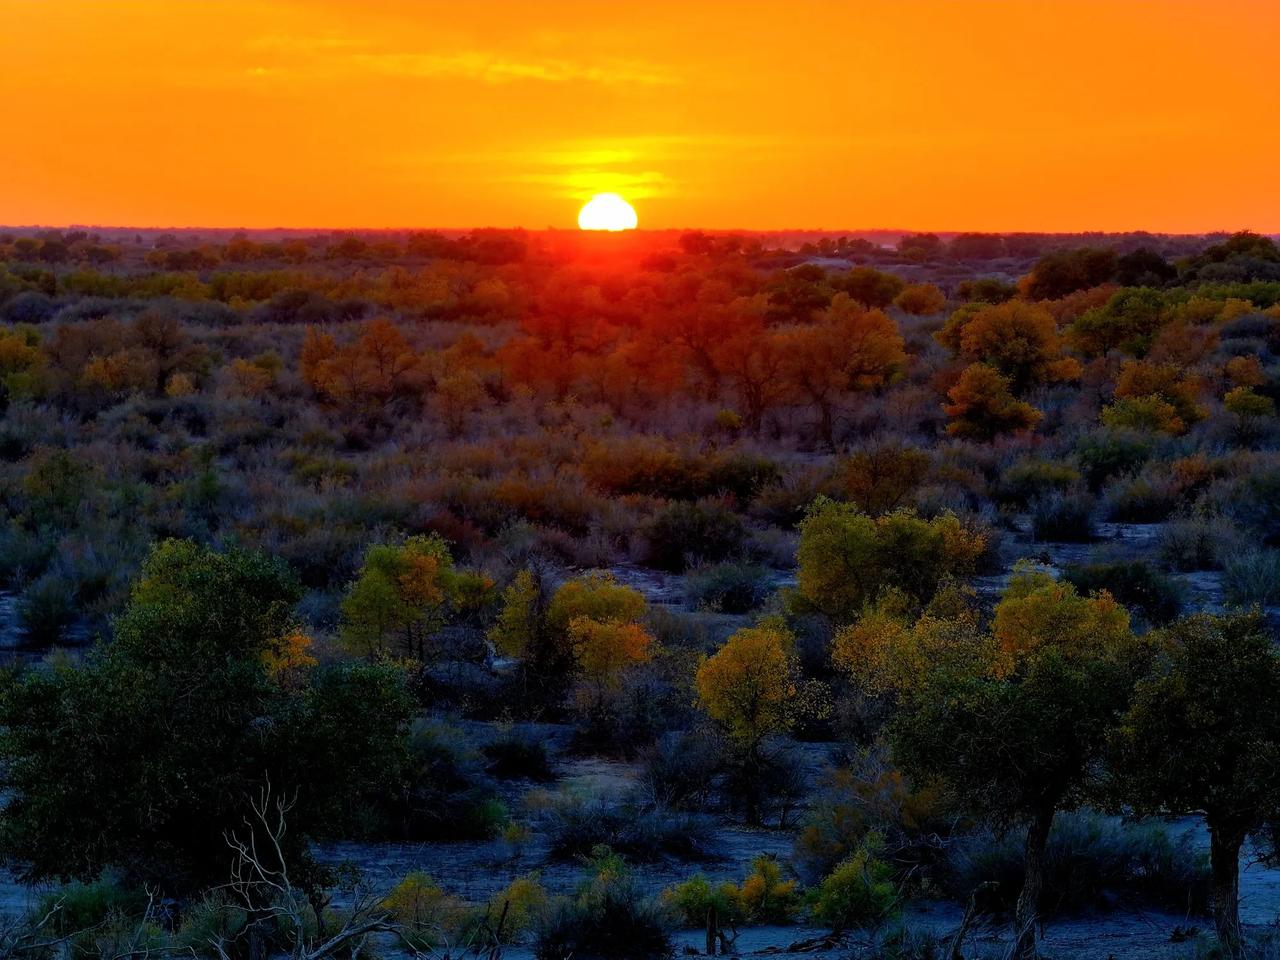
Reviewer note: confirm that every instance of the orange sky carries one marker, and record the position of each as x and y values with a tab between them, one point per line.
923	114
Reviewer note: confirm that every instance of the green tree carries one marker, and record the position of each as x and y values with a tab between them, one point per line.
145	757
1058	274
1203	733
142	758
1018	735
397	603
847	559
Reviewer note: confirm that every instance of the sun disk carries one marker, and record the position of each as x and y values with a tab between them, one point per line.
607	211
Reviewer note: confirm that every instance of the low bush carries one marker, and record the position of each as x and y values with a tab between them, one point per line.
1063	518
1252	499
1028	480
45	609
214	918
518	755
1137	585
1106	453
859	892
520	906
79	906
1142	499
608	918
429	914
872	798
450	798
692	901
1093	862
685	533
679	770
1198	542
763	897
729	587
1252	578
575	826
907	943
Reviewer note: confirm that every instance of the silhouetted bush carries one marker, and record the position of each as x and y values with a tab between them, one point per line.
1063	518
518	754
608	918
1252	577
729	587
643	832
1137	585
685	533
1093	862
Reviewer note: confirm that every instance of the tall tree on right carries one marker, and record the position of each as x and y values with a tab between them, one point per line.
1203	733
1017	734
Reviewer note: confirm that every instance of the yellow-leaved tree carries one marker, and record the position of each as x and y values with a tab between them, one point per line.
748	687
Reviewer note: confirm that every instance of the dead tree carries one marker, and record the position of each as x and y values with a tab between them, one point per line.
260	883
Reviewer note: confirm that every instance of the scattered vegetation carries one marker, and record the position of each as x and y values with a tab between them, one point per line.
379	533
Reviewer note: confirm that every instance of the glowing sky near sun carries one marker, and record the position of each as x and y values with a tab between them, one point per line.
924	114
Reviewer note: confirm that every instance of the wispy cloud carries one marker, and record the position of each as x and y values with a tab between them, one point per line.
341	56
638	184
495	68
635	166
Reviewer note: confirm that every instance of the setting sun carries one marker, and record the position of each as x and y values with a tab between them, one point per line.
607	211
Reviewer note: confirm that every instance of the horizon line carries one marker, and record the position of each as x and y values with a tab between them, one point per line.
636	230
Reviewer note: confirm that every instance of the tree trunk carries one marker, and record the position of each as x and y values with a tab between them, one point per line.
1224	861
826	424
1027	911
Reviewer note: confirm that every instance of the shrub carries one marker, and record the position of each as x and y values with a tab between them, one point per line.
518	755
575	826
1252	578
1092	862
1198	542
1127	322
920	300
729	587
880	478
678	770
762	897
982	406
426	910
83	905
687	532
46	608
871	798
906	943
1253	500
608	918
29	307
525	902
847	558
858	893
1151	414
214	917
1143	499
1028	479
1137	585
1246	403
1106	453
449	796
1062	518
693	899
